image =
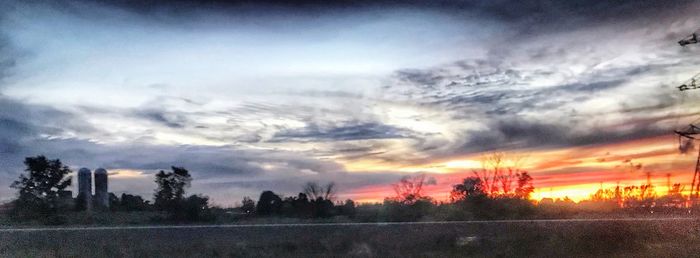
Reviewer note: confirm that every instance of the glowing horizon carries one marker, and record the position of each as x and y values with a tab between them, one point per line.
592	172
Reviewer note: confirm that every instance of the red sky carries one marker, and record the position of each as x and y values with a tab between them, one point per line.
575	172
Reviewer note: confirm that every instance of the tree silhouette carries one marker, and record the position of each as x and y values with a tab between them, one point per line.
524	188
247	205
472	196
314	191
501	175
348	208
196	208
316	199
40	190
298	206
470	187
269	203
130	202
409	204
409	189
171	188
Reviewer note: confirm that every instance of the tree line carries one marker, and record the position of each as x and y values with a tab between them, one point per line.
500	189
42	195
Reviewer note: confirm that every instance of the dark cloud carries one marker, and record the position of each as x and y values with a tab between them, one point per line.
512	10
343	131
516	133
569	14
525	18
165	118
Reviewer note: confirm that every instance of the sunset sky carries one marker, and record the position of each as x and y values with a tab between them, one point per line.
266	95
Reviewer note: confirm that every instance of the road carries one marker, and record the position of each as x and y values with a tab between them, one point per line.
348	224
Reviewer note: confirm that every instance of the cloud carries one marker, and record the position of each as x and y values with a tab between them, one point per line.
218	170
163	118
517	133
560	89
344	131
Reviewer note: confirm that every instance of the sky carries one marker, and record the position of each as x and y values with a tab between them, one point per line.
268	95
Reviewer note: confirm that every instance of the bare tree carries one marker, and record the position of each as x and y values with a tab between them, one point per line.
410	189
503	175
314	191
490	172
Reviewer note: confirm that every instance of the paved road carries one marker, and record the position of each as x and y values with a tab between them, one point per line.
96	228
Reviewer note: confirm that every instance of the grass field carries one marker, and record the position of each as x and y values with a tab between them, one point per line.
520	239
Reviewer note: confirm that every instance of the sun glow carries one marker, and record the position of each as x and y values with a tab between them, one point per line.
462	164
126	173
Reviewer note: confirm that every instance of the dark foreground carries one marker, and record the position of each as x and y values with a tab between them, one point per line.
563	238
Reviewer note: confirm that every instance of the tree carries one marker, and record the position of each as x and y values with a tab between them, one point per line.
525	188
502	176
472	197
196	208
674	197
409	189
171	188
268	203
409	204
130	202
298	206
314	191
642	196
170	197
471	187
114	202
322	208
320	200
40	190
247	205
348	208
396	210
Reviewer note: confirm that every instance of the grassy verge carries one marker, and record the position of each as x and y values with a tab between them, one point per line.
526	239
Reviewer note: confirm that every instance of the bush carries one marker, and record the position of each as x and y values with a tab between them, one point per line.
500	207
412	211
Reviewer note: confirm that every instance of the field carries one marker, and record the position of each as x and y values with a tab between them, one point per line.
554	238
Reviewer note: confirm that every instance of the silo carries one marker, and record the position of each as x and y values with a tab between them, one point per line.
85	188
101	193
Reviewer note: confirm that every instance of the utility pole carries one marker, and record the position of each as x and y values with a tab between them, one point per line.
690	39
689	135
691	83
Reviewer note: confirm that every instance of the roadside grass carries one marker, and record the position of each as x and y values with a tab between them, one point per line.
526	239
